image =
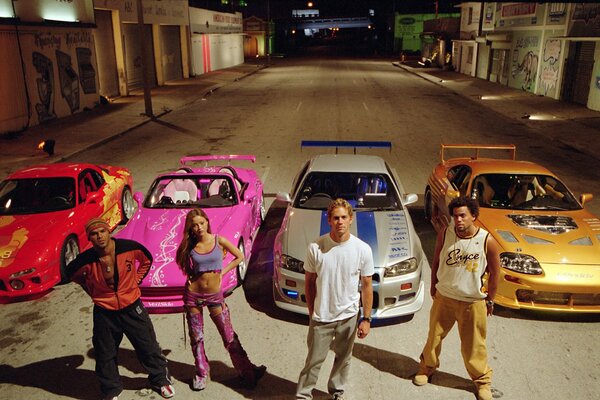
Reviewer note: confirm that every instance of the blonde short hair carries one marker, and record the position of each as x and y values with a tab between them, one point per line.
338	203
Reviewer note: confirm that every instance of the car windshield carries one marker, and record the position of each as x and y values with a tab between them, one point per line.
190	191
36	195
522	192
363	191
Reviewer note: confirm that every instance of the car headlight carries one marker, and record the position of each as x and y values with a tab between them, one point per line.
401	268
21	273
522	263
291	263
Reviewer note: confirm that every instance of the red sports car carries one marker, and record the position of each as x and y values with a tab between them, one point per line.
43	211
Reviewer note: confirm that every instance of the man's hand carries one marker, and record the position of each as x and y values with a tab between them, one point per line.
364	327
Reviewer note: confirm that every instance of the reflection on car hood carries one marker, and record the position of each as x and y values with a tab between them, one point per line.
566	237
386	232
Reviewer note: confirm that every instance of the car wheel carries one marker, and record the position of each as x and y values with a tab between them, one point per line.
127	205
70	250
428	211
242	268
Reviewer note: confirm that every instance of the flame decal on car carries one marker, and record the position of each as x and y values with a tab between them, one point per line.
10	247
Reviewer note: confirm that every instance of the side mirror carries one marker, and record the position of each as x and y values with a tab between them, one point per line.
410	199
585	198
93	198
139	198
282	196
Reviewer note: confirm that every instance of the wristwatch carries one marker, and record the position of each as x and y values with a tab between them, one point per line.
489	303
368	319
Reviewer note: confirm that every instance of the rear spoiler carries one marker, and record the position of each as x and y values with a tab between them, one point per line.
477	147
191	159
346	143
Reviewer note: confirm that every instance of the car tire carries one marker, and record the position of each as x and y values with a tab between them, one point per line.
68	252
242	268
428	209
127	206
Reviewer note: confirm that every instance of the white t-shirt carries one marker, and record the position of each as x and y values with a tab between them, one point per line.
339	267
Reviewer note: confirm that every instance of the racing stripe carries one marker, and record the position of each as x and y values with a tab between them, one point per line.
367	231
324	224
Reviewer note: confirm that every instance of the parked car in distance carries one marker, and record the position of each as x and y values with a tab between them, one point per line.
232	197
43	212
381	219
550	244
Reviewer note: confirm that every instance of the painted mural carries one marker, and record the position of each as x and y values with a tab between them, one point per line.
62	75
585	20
524	63
550	67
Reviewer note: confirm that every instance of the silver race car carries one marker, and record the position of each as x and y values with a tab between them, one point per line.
380	219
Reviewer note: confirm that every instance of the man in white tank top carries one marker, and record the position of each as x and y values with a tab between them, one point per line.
335	264
464	252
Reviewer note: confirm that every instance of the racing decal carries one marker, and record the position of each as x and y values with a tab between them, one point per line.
10	245
167	248
398	246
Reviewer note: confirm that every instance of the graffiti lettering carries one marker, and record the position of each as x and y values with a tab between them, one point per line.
551	51
76	38
43	40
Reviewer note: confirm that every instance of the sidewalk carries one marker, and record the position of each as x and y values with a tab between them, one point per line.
572	125
91	128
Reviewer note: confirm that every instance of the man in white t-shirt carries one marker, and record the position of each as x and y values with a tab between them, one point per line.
335	265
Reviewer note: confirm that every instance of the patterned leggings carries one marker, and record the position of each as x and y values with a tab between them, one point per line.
222	321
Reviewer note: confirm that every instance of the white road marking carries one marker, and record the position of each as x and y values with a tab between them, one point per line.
265	175
365	106
298	107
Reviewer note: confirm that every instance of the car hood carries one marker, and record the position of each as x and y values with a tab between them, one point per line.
550	236
35	230
387	232
160	231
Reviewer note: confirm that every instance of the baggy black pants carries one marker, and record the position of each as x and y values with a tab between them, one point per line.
135	323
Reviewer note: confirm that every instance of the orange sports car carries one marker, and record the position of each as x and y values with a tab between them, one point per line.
550	245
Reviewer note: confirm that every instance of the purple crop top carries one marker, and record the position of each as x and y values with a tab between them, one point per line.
205	262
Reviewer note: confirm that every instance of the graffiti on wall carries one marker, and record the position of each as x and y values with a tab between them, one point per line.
525	62
527	67
45	87
69	48
549	74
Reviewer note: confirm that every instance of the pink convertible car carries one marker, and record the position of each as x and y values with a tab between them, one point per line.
231	196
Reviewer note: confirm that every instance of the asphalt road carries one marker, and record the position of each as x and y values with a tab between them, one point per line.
45	344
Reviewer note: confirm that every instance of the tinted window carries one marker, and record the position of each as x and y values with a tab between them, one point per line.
33	196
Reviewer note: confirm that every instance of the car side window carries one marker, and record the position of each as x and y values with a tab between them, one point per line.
459	178
298	179
89	181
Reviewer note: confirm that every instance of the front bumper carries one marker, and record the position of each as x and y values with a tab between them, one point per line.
561	288
31	284
392	297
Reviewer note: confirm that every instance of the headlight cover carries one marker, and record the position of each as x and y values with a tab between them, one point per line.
401	268
21	273
522	263
291	263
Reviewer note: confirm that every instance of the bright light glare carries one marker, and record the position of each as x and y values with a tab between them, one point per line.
6	10
541	117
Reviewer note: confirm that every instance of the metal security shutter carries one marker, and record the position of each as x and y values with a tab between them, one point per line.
105	54
133	56
578	72
13	94
171	52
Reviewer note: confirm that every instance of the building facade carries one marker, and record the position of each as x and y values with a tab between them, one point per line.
547	49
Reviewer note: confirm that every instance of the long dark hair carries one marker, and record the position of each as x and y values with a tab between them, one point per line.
188	242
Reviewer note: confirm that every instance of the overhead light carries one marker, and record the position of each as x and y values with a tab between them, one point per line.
47	146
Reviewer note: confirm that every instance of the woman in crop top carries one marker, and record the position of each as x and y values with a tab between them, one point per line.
200	256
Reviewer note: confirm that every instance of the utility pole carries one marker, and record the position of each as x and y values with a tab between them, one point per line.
268	32
144	47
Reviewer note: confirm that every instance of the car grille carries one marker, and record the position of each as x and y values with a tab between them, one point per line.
162	291
560	299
